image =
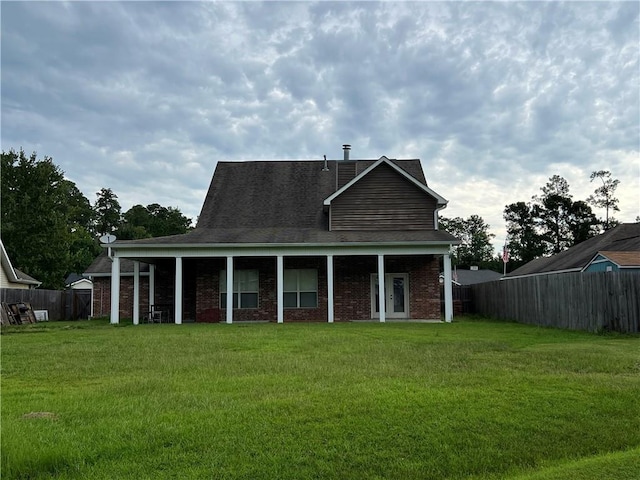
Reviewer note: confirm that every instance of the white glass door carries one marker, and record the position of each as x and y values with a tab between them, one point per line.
396	291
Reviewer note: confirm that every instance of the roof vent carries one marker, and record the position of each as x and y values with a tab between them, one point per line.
346	149
325	167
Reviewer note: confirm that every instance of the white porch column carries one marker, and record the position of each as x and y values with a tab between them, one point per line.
280	287
152	286
178	291
448	295
136	292
330	288
229	305
115	290
381	281
93	290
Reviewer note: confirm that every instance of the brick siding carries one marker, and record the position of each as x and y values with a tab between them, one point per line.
102	296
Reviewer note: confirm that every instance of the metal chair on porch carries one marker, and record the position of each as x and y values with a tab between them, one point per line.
155	316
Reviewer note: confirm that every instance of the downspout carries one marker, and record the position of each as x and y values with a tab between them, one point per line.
435	215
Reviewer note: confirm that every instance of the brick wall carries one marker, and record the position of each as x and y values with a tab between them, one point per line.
353	285
102	296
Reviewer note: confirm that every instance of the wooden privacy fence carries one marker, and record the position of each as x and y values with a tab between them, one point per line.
462	297
61	304
579	301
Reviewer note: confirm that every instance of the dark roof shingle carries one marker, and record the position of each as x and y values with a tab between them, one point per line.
102	264
254	202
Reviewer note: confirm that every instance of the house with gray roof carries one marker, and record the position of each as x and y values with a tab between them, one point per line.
616	249
281	241
472	276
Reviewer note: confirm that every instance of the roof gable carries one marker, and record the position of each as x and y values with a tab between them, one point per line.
380	161
621	259
13	274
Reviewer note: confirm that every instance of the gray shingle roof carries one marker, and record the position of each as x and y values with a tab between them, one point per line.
276	193
25	278
102	265
623	238
282	202
471	277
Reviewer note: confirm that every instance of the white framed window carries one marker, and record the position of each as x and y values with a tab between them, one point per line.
245	288
301	288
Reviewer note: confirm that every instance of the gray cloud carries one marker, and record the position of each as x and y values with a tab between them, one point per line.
145	97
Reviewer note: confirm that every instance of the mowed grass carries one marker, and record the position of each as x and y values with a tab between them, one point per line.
474	399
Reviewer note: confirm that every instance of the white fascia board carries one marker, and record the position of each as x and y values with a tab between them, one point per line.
78	282
8	268
441	200
253	250
594	260
11	273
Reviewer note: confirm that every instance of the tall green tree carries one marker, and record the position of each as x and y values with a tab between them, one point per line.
604	196
473	232
552	212
549	224
43	215
153	220
583	223
524	242
561	222
79	208
107	212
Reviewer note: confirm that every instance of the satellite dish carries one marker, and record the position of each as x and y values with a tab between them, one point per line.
108	238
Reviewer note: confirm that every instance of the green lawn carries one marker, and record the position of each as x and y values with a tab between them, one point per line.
474	399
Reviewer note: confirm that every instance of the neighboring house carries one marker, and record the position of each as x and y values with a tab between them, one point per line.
297	241
617	248
472	276
614	262
11	277
76	281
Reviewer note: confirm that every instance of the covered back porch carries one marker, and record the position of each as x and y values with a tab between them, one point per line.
278	284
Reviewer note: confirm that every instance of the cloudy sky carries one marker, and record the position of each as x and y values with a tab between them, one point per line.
494	98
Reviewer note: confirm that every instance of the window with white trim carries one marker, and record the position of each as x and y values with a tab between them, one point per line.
245	288
301	288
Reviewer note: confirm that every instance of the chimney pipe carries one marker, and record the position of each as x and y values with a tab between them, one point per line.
346	149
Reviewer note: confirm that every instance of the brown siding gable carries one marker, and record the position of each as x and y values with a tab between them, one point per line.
383	197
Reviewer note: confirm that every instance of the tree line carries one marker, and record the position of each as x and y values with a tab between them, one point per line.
50	229
545	225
